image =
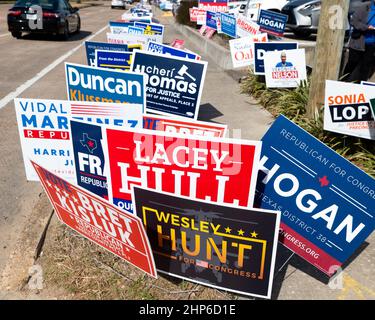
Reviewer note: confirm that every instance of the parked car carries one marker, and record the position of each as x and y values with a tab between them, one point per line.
58	17
166	5
256	5
303	16
118	4
235	6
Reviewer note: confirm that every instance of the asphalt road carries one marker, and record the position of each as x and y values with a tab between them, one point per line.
23	62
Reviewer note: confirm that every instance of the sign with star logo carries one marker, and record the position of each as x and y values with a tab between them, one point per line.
222	246
115	230
327	203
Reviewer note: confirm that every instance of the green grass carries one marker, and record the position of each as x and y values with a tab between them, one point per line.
292	103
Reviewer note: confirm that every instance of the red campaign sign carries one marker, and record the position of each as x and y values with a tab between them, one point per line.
209	33
212	169
178	43
307	250
198	128
215	6
96	219
193	14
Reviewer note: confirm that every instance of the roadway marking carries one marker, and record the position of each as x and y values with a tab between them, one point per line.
9	97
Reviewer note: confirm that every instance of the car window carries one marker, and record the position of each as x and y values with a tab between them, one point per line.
45	4
63	5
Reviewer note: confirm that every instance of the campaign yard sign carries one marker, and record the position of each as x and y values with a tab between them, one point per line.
246	27
209	32
180	164
178	44
119	60
211	20
92	46
170	51
366	83
326	202
151	28
228	24
92	84
44	129
220	246
347	109
242	49
89	158
89	162
141	16
193	12
201	17
135	30
197	128
213	5
203	29
285	69
370	95
44	134
174	85
129	39
115	230
261	48
272	22
117	27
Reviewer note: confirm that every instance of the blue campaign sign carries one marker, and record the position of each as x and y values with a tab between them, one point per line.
89	157
327	203
92	46
168	50
150	28
228	24
174	85
211	20
135	30
260	48
121	24
103	85
113	59
272	22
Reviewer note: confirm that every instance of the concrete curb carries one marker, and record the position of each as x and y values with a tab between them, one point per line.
219	54
222	55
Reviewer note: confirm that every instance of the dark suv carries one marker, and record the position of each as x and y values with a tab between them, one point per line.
43	16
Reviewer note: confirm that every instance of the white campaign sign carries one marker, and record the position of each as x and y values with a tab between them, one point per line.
285	69
44	129
246	27
132	39
201	17
347	109
242	49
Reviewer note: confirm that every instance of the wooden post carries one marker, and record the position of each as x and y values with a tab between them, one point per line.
328	51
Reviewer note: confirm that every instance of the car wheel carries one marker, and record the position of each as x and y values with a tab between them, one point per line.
78	26
65	35
302	33
16	34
